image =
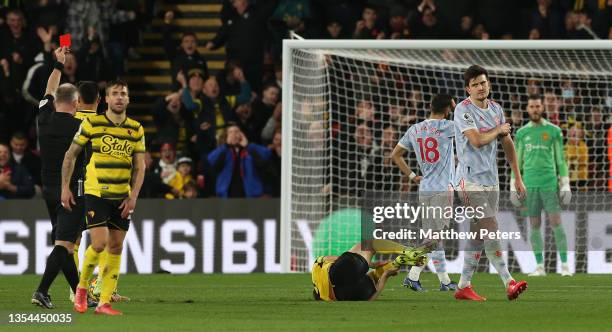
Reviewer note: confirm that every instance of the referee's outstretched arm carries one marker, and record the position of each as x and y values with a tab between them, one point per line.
56	74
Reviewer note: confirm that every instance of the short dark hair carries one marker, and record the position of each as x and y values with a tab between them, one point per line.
88	91
66	93
440	102
473	72
19	136
187	34
118	82
535	96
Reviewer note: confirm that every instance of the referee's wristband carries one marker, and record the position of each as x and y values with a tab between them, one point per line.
58	65
411	176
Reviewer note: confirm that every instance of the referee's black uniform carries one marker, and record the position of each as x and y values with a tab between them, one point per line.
56	131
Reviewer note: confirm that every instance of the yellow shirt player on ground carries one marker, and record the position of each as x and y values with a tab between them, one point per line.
348	277
114	177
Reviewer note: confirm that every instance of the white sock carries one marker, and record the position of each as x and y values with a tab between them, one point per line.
470	263
438	258
415	272
494	254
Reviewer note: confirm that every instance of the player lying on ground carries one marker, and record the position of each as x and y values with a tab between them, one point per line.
348	277
479	122
540	157
432	142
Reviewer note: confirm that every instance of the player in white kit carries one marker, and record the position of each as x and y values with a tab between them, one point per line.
432	142
479	123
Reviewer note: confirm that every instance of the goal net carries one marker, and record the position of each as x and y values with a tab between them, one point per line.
347	103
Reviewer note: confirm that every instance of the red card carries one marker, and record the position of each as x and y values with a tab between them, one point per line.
65	40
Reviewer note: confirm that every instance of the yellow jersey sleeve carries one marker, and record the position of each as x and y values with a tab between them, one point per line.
83	135
140	145
320	279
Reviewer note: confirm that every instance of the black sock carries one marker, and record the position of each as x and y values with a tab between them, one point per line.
70	272
55	261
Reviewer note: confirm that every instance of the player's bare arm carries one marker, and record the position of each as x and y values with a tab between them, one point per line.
67	168
56	74
511	158
138	171
479	140
398	158
382	282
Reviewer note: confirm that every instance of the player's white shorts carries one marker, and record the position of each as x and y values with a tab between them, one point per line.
479	196
441	201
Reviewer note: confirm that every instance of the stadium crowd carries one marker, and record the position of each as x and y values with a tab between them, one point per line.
219	135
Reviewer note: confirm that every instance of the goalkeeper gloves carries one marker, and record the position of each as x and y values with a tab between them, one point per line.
514	196
565	193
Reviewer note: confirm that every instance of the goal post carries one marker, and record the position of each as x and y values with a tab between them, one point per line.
330	88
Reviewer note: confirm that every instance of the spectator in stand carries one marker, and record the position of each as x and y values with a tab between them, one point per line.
34	86
175	124
263	107
185	56
334	30
244	114
180	178
290	15
166	166
233	85
398	25
243	36
216	114
369	27
272	183
15	181
577	155
190	190
19	46
192	90
26	158
93	65
425	24
595	132
551	107
152	186
273	125
574	25
546	20
238	165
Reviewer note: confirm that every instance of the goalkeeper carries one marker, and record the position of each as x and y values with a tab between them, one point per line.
541	160
347	277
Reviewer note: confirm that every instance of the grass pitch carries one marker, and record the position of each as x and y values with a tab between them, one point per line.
268	302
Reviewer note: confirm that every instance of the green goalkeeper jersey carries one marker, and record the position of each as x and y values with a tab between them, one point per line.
540	154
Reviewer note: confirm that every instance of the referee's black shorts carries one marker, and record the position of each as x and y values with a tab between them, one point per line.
66	225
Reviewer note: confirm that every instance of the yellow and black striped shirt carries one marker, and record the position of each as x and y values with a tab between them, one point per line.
110	168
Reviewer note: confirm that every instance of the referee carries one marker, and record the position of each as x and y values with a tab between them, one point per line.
57	127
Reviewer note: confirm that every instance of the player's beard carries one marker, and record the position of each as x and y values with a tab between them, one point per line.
535	117
117	110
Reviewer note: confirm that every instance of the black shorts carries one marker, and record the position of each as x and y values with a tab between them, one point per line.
53	202
103	212
70	224
349	276
66	225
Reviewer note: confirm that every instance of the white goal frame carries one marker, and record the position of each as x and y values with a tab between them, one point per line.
287	134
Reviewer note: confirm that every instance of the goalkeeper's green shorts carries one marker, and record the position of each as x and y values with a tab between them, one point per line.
541	198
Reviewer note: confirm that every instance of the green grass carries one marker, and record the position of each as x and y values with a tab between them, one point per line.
282	302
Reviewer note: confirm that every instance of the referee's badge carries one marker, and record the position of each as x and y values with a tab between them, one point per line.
43	103
91	214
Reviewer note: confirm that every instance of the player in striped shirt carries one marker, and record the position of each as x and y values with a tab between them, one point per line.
114	177
432	142
479	123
